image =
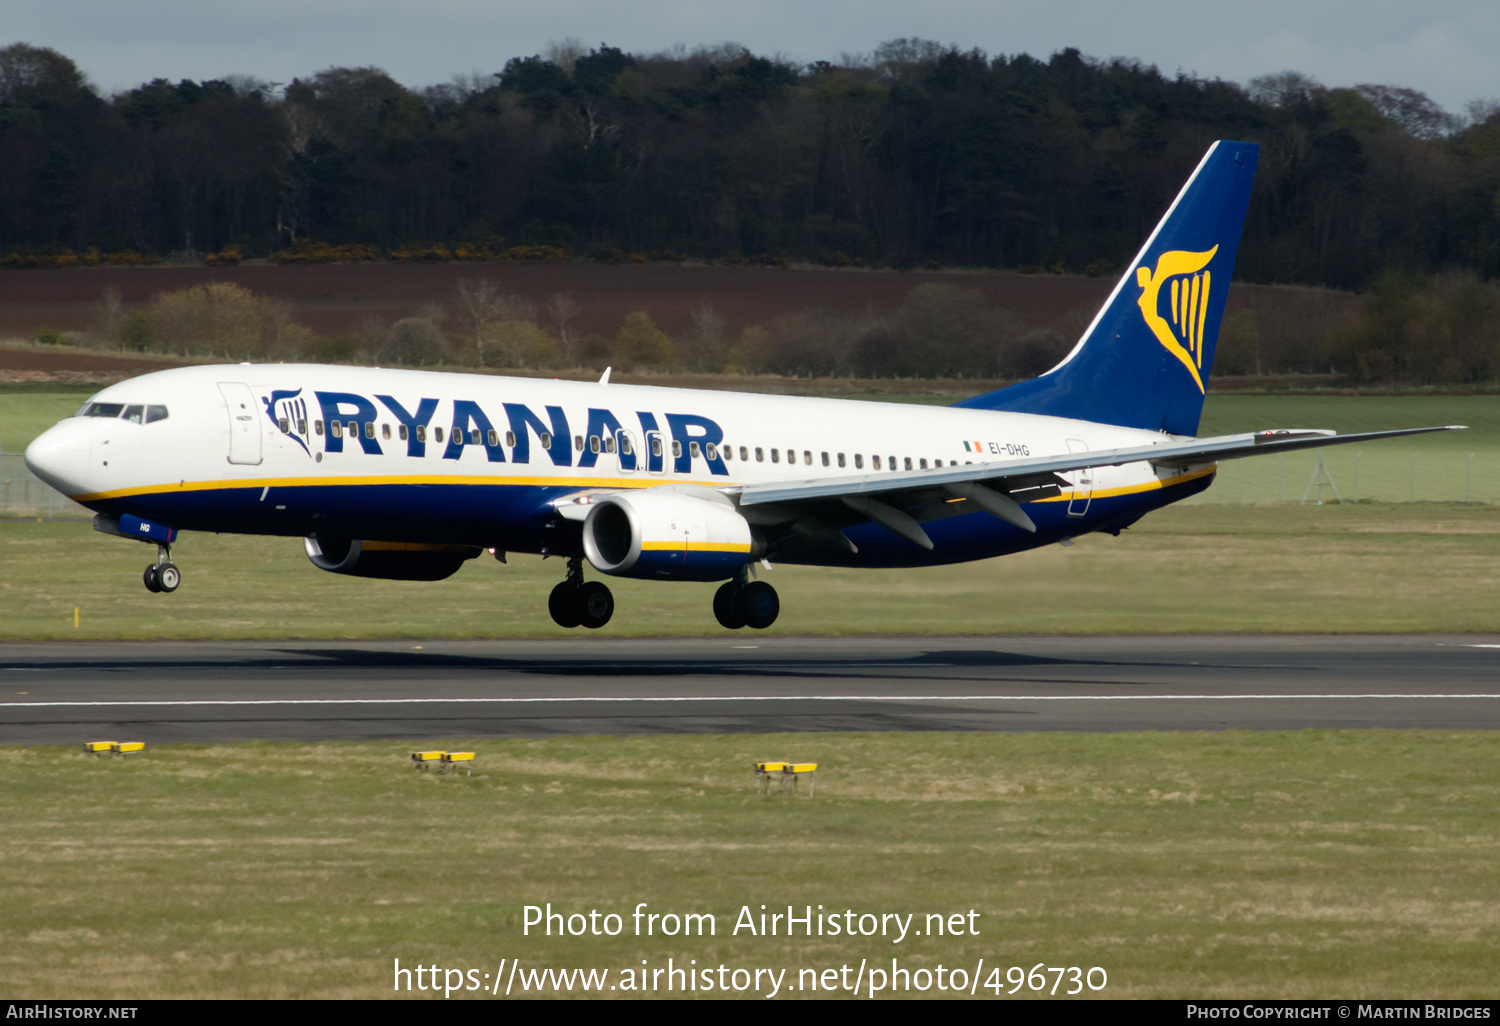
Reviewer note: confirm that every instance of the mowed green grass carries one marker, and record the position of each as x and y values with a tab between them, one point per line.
1427	567
1231	865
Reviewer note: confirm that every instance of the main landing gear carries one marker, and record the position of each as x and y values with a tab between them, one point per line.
741	603
576	602
738	603
162	575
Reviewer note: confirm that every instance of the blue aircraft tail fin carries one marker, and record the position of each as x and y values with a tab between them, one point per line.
1145	359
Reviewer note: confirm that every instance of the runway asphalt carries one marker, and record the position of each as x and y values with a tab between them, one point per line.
165	692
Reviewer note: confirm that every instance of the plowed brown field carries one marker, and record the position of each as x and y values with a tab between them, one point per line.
329	298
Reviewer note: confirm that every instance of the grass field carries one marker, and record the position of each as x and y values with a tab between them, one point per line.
1278	865
1426	567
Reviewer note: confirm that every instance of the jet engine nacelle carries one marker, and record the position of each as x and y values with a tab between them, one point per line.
390	561
668	534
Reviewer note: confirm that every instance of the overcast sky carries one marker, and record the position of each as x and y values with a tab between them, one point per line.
1445	48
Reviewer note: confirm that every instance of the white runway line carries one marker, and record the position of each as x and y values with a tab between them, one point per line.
717	698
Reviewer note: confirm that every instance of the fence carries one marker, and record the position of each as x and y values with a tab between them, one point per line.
1364	474
23	495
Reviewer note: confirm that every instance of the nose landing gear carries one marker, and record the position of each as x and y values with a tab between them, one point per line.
576	602
163	575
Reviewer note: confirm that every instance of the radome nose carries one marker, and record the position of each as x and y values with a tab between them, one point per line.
60	456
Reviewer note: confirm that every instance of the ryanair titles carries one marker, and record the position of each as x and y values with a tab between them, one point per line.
639	441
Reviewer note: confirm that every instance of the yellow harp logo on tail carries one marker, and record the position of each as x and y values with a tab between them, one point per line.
1183	336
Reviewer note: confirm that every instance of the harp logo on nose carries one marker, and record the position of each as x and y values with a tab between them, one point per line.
1180	327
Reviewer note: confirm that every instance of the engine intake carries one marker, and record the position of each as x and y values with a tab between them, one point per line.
668	535
390	561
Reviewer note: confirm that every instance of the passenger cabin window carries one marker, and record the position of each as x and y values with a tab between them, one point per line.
421	432
924	464
712	450
369	429
510	438
876	462
336	428
760	455
727	452
594	443
609	443
284	425
626	447
578	442
401	432
807	457
656	446
545	439
693	450
437	435
676	449
775	456
908	463
385	431
318	428
825	459
301	421
745	453
841	459
859	461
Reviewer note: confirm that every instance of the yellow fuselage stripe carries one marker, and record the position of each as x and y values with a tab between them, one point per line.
530	482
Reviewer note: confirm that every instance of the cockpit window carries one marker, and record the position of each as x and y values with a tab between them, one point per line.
135	413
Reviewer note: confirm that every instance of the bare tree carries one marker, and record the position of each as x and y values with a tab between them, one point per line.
480	301
109	313
565	54
563	309
703	346
368	335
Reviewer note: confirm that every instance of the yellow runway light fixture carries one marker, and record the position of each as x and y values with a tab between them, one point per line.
452	760
763	771
796	770
99	747
422	760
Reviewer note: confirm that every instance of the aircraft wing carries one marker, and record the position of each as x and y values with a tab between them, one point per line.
901	501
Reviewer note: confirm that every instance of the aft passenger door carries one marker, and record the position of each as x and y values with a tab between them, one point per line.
244	424
1082	481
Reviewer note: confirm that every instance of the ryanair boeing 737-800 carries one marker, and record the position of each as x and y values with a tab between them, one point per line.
407	474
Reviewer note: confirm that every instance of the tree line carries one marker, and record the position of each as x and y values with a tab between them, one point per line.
913	155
